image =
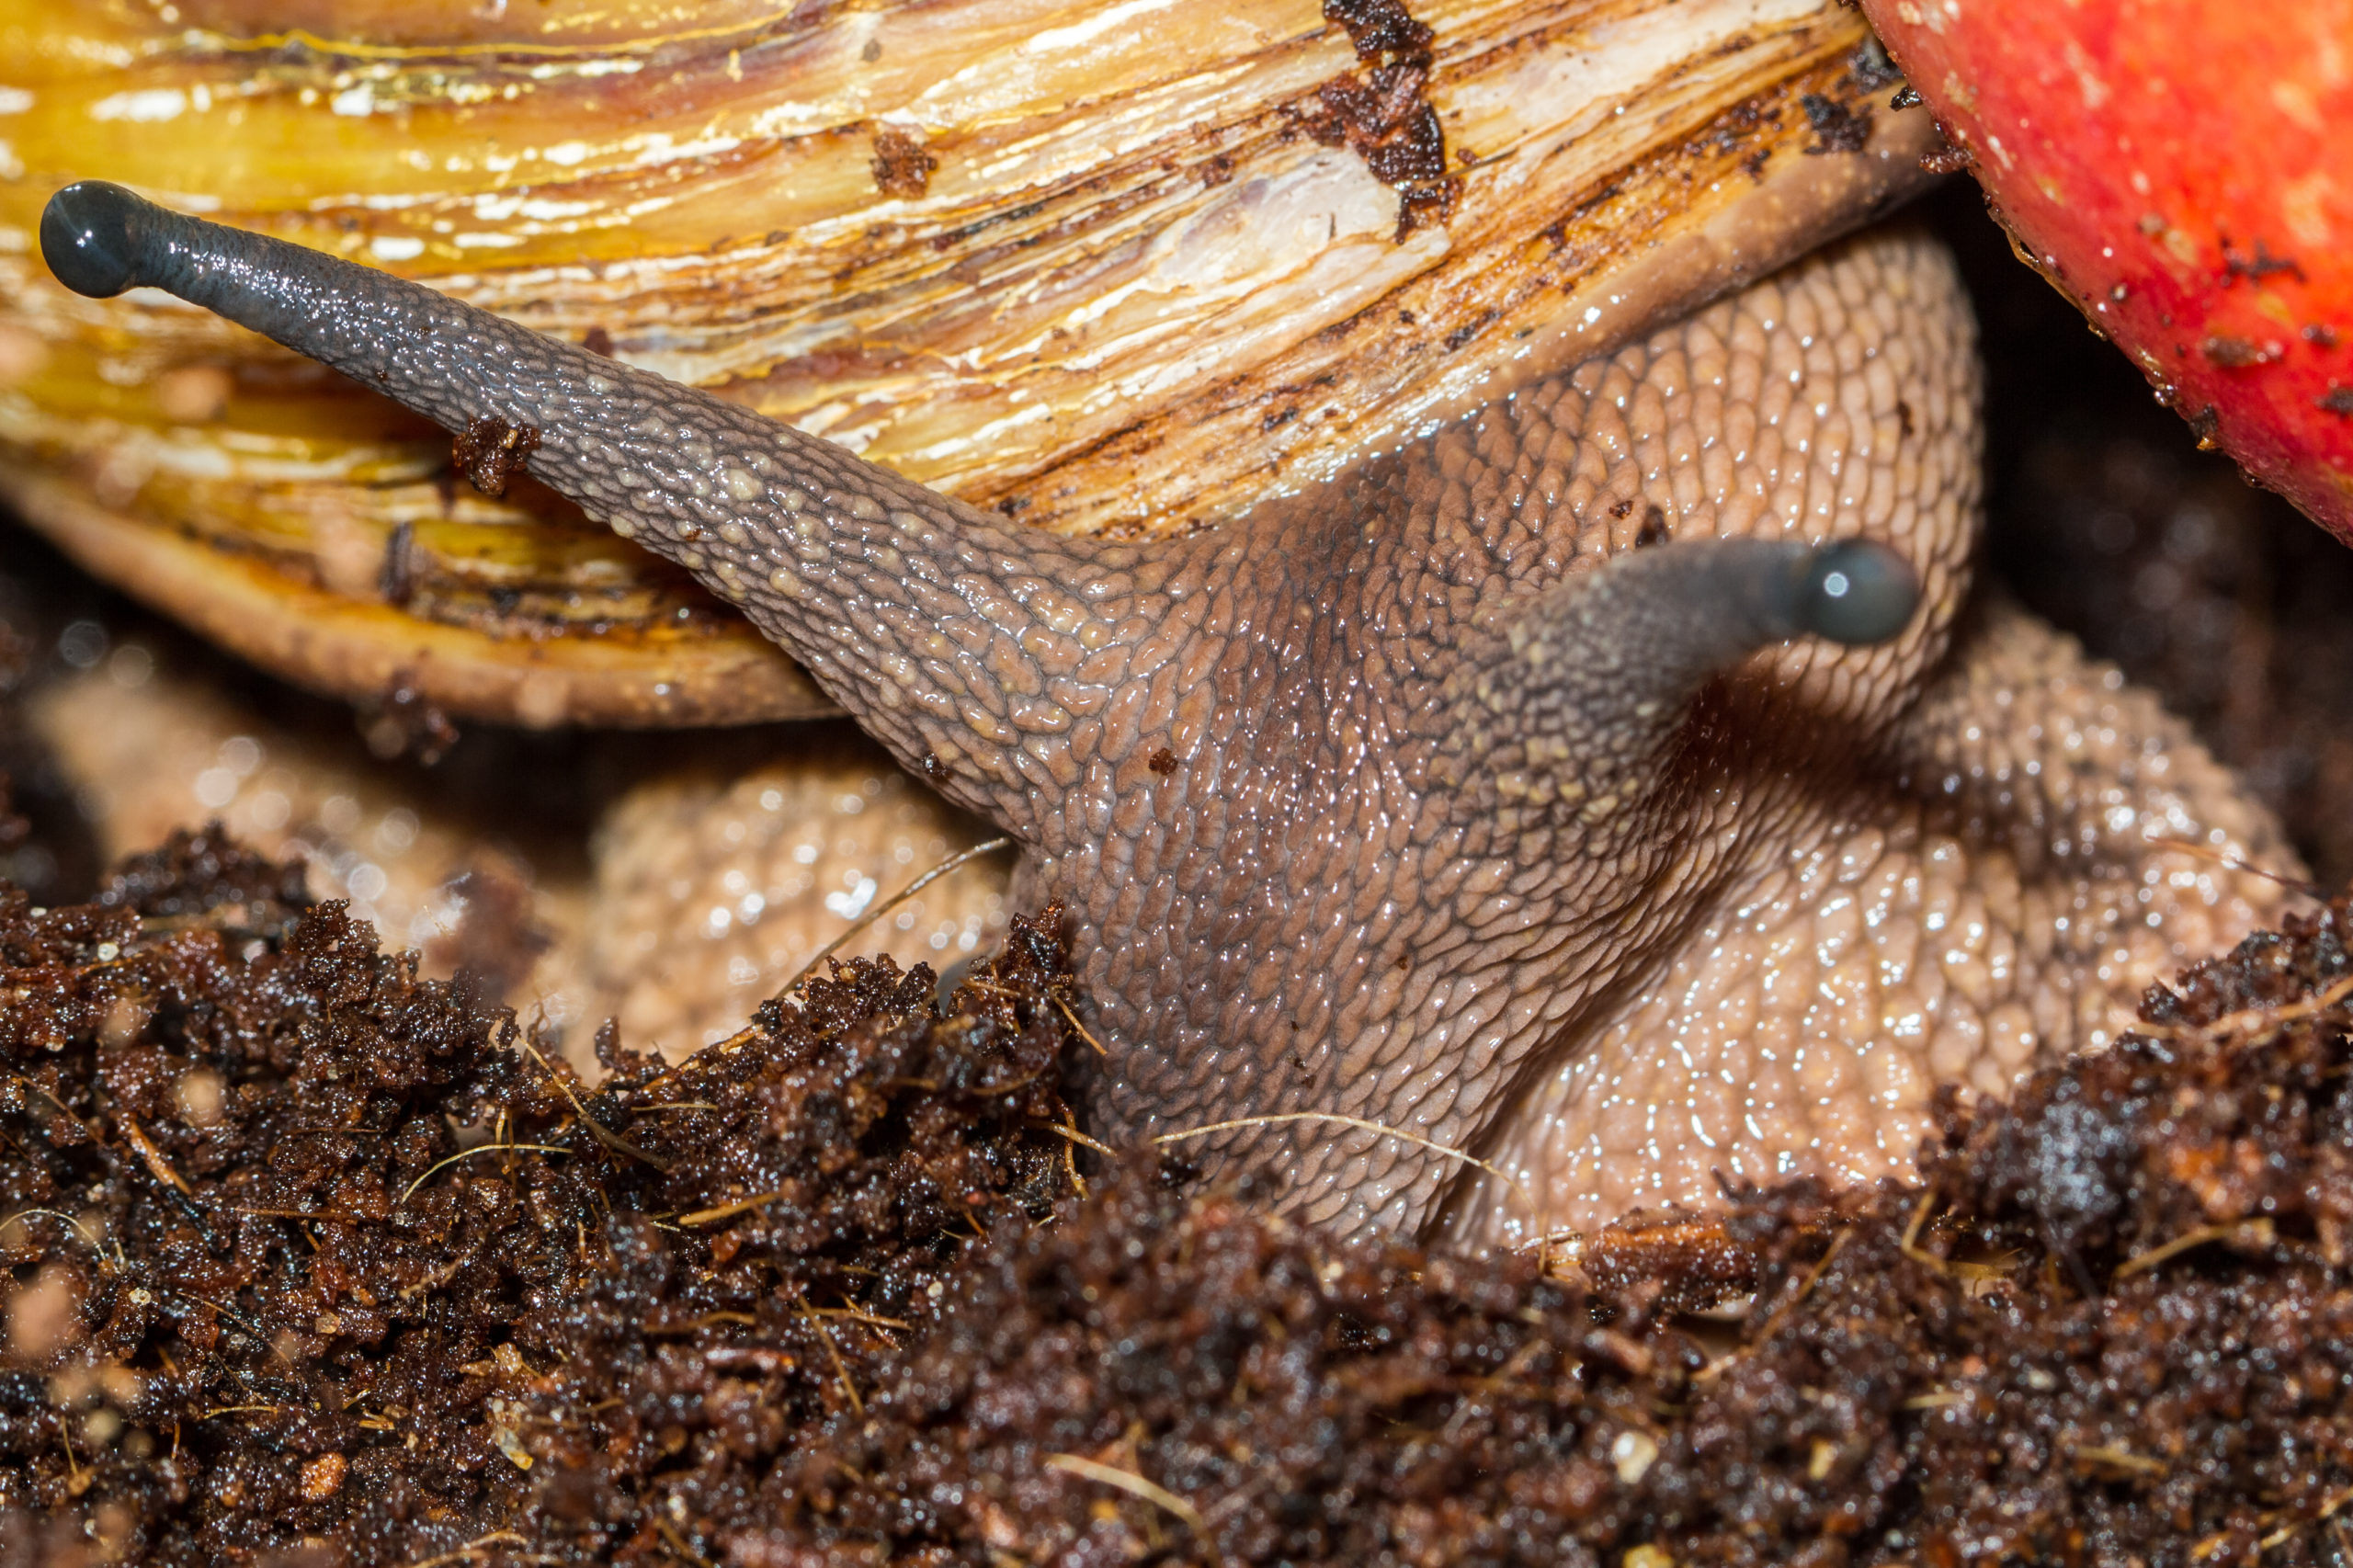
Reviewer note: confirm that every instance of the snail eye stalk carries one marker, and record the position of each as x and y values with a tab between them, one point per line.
1692	608
1573	704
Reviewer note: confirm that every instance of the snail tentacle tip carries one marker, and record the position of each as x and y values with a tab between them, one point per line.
1856	592
88	237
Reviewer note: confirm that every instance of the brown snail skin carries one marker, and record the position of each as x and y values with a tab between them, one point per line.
1418	796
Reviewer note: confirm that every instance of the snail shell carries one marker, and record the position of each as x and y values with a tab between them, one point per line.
1106	269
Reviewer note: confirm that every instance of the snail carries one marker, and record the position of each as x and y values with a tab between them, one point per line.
1596	779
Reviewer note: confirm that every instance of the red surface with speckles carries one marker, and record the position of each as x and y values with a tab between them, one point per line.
2179	168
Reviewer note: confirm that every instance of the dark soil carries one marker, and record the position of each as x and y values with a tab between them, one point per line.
307	1250
316	1262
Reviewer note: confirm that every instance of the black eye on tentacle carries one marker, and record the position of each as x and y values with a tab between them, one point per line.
1855	591
92	236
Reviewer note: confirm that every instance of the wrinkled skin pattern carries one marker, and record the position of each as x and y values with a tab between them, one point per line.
1430	796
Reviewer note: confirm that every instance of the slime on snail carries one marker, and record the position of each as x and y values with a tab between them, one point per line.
1430	795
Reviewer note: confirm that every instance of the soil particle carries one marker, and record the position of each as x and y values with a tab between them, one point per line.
1380	29
1836	127
2259	266
1947	160
404	721
497	940
902	167
206	873
490	452
1384	114
2234	353
1469	330
1870	69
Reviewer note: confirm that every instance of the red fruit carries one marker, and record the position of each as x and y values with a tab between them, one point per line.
2183	170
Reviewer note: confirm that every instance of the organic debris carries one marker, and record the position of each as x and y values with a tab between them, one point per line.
1384	114
317	1262
312	1257
490	452
902	166
2114	1325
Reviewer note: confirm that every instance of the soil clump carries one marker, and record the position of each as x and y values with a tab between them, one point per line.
313	1261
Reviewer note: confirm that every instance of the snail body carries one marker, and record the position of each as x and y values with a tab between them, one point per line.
1594	763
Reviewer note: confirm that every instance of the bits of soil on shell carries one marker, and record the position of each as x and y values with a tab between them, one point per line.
901	166
1836	127
316	1261
1382	112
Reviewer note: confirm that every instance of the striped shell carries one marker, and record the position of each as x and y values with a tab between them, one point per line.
1124	267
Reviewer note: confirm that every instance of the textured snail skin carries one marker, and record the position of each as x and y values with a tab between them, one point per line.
1398	798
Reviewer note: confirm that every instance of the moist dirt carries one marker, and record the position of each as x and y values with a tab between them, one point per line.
316	1262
